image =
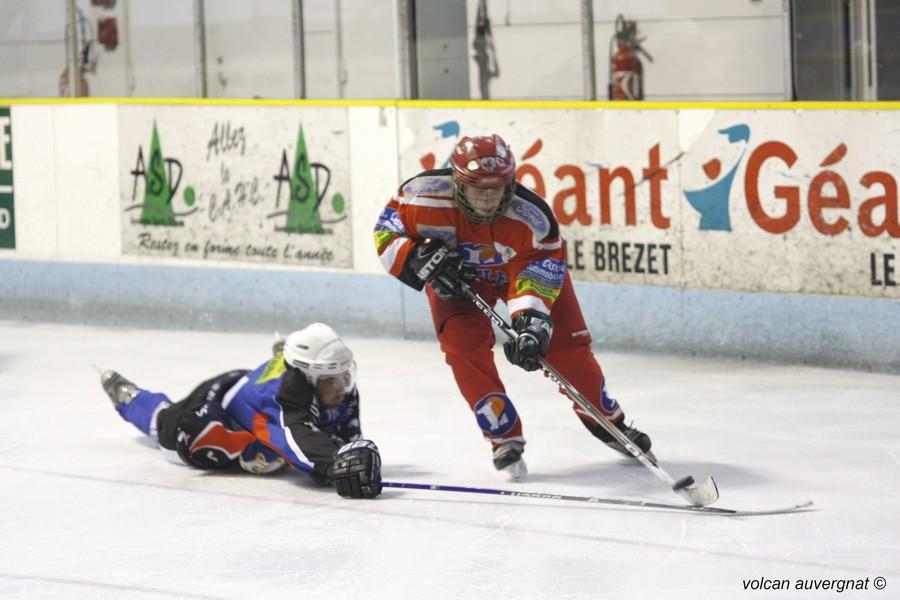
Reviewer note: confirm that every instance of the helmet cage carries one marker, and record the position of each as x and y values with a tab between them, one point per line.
459	195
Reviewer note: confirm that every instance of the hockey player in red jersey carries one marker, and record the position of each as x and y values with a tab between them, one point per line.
300	407
474	224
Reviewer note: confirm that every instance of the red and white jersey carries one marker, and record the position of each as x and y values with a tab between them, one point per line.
521	252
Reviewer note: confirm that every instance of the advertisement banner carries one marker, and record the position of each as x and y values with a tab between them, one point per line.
778	201
262	185
790	201
7	204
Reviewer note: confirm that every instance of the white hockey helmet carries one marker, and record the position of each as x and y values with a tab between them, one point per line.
320	353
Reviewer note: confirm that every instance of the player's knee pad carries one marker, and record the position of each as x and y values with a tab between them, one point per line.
496	415
205	440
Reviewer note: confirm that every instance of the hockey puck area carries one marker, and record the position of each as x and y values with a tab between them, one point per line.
698	494
683	483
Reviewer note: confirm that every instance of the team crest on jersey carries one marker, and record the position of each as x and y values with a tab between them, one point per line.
531	215
481	255
495	276
444	233
496	415
428	185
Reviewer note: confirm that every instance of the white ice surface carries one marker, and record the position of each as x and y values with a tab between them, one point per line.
90	509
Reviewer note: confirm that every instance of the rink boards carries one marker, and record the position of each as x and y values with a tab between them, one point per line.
674	209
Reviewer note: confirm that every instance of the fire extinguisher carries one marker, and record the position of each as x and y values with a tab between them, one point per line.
626	73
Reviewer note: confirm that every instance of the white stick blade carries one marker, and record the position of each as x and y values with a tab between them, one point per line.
702	494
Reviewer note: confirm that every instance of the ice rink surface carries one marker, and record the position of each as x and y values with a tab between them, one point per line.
89	509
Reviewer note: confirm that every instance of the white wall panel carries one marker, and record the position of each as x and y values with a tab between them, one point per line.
373	159
249	46
710	59
540	63
34	174
162	48
370	48
87	193
321	65
729	49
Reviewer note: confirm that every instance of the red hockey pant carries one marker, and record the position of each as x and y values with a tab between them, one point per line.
467	340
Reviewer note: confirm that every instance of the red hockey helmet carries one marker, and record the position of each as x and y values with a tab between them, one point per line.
483	162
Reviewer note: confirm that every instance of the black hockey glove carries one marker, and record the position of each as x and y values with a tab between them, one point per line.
444	269
534	331
356	472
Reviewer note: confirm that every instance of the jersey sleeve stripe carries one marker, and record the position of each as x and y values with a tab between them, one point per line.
393	257
528	285
516	305
431	201
230	394
295	451
554	245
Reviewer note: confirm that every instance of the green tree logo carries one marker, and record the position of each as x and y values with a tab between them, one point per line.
308	186
161	179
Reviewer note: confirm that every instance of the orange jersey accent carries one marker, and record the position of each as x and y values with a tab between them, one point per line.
521	252
216	435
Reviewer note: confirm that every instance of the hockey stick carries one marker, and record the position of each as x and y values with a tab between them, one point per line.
705	510
664	506
699	494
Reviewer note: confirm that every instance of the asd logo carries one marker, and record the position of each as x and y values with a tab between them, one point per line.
711	201
161	177
307	188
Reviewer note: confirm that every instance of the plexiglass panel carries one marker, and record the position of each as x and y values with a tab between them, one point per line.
459	49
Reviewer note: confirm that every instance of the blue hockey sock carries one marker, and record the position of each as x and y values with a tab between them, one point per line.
141	411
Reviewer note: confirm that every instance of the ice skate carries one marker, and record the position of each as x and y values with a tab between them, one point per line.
635	435
119	389
508	457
